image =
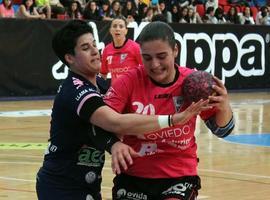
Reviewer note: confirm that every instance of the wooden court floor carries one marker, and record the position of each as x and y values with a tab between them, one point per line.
229	170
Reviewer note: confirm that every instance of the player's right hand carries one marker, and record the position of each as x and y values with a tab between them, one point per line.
191	111
122	155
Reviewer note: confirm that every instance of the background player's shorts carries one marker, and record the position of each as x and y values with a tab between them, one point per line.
129	187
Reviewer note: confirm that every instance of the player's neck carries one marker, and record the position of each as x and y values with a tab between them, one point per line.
119	43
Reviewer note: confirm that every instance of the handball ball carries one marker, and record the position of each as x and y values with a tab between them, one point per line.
197	86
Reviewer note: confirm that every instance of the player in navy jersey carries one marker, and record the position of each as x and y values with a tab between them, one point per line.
167	167
75	156
122	54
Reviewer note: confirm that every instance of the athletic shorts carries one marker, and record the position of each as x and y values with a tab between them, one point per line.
49	189
135	188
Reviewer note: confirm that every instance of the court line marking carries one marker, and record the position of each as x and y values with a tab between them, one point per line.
245	144
23	156
23	163
108	168
23	145
26	113
234	173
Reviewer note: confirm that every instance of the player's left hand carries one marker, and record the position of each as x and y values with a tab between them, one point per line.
221	98
122	157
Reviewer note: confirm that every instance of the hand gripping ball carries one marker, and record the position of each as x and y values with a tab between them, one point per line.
197	86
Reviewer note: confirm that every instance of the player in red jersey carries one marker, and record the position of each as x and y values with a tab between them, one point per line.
167	168
121	54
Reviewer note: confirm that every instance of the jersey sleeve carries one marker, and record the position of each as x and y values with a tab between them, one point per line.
82	98
118	94
104	66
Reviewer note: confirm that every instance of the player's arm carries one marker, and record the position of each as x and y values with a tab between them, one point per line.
222	123
134	124
104	140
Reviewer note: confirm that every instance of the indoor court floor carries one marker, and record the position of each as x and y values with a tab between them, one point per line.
235	168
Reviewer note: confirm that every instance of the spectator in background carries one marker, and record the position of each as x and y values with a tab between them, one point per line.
121	54
167	14
209	17
193	17
149	14
105	11
6	9
28	10
184	15
220	16
159	17
91	11
43	7
74	11
262	17
129	11
142	8
247	17
175	13
116	9
57	8
232	16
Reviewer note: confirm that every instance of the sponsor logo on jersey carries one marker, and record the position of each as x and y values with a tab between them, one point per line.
148	149
169	133
123	57
91	157
119	70
77	82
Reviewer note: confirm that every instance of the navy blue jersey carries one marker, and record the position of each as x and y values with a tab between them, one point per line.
72	160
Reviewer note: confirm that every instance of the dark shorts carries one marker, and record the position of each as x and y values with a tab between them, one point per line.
134	188
56	188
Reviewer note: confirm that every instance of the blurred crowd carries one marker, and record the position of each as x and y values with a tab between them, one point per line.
170	11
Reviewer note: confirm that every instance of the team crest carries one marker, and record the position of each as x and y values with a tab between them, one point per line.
178	103
123	57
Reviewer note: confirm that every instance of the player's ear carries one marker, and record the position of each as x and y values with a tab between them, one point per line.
69	58
176	50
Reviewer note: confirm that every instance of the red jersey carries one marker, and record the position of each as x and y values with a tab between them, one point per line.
119	60
166	153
